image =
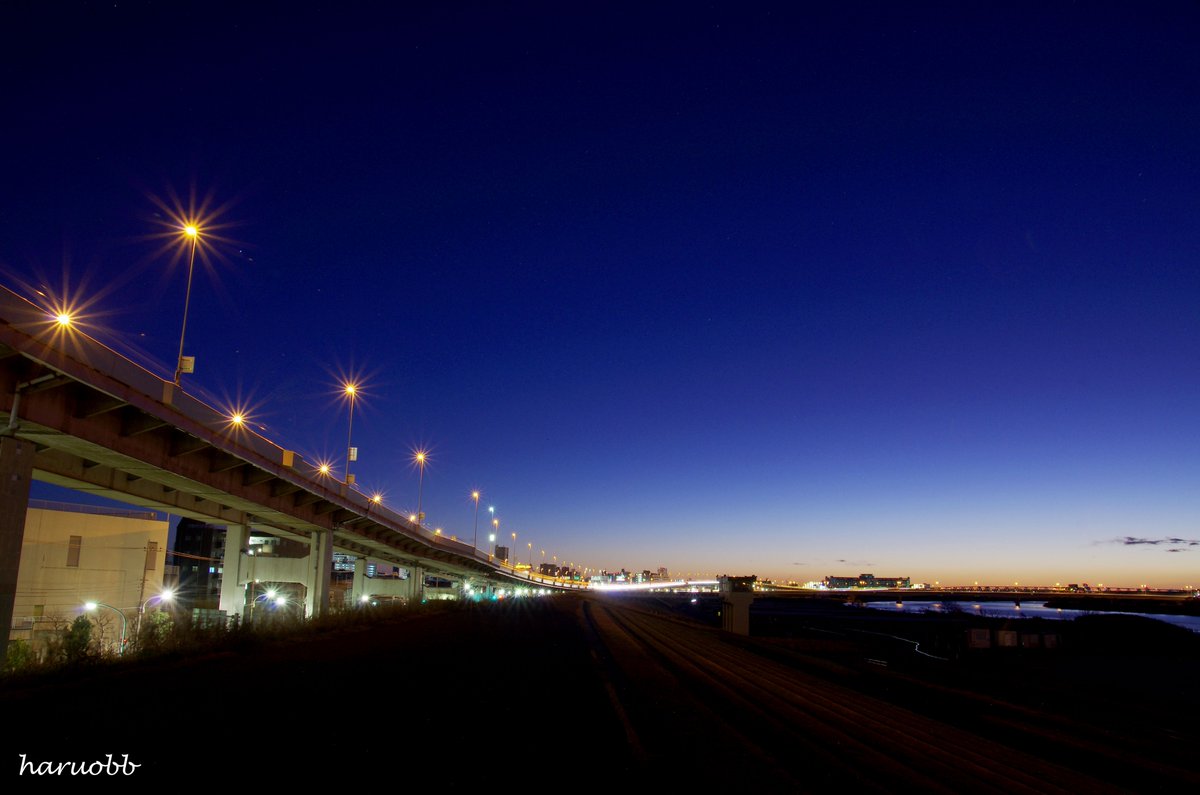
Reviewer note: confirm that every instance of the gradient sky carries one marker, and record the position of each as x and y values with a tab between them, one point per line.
779	288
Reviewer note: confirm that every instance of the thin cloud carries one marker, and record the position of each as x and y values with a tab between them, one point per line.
1177	544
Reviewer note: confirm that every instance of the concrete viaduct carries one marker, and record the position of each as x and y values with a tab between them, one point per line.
76	413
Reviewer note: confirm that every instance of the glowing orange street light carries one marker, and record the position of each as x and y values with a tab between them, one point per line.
63	319
191	231
513	551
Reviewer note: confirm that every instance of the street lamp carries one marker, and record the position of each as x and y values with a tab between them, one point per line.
475	496
91	607
268	596
166	596
530	545
350	390
496	531
191	231
513	551
419	457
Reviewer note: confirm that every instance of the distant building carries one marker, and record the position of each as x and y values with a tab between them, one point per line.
501	553
867	581
199	554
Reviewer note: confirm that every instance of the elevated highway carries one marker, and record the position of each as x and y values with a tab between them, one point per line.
75	413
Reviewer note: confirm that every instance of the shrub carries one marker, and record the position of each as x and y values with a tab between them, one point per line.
18	657
77	641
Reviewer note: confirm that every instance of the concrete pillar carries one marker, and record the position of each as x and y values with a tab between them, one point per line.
233	592
320	570
16	472
359	586
416	584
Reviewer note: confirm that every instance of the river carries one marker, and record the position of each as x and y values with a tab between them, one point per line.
1024	610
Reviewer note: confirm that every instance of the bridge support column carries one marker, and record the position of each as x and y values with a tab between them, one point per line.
320	569
416	584
233	591
16	472
359	586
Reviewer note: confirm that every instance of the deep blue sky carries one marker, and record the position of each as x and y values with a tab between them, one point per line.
790	289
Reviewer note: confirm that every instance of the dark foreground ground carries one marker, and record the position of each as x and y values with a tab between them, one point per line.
603	694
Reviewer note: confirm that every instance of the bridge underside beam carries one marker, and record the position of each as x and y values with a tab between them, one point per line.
184	444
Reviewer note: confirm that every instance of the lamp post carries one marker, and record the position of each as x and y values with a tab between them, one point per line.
91	606
191	231
475	496
419	457
495	531
351	391
267	596
530	545
165	596
513	551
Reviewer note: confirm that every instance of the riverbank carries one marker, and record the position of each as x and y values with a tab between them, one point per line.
462	696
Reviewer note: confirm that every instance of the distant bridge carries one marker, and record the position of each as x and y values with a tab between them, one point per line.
599	586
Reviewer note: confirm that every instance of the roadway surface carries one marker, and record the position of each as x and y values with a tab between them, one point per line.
572	691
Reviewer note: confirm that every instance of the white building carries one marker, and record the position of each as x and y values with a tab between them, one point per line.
72	554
